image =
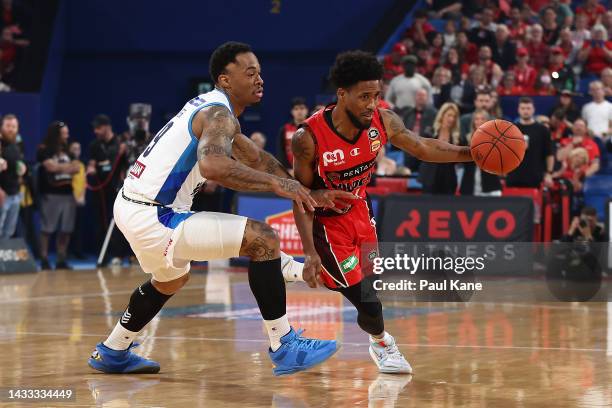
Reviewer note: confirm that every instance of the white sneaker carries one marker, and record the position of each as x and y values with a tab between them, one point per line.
292	269
388	358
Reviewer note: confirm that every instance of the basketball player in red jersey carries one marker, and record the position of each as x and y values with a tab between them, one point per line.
336	148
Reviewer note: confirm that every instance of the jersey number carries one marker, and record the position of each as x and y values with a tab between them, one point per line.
156	139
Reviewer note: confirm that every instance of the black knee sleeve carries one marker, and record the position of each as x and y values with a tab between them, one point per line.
268	286
145	303
370	317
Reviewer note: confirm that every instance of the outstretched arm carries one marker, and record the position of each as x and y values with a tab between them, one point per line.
246	152
219	128
425	149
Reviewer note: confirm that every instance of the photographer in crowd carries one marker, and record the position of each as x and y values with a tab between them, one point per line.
586	228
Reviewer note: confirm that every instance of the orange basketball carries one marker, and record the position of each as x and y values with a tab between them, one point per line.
498	147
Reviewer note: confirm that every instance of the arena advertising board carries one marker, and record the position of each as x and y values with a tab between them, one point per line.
15	257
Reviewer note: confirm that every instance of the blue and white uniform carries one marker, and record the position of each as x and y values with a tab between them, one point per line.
166	238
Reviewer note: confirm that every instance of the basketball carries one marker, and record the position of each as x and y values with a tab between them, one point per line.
498	147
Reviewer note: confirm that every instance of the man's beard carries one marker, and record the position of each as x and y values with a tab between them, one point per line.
356	122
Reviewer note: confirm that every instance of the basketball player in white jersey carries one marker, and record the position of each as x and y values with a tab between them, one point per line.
204	142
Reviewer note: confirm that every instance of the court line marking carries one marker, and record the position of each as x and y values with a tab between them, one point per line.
4	335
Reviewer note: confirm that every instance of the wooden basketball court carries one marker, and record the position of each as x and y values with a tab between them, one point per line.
212	348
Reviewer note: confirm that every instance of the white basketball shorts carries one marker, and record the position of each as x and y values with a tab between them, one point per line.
165	241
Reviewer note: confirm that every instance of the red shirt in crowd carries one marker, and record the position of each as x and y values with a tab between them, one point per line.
391	70
538	53
589	145
515	90
592	14
596	61
525	78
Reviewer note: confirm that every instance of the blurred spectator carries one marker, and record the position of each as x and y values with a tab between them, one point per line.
586	228
596	54
536	47
299	113
10	178
420	27
581	32
566	45
592	10
606	80
574	170
450	35
567	105
137	136
441	86
508	85
578	137
606	21
392	63
259	139
58	207
475	181
495	111
445	8
10	46
441	178
385	166
458	69
504	52
420	120
538	163
476	79
402	88
12	14
425	62
79	183
517	26
468	52
543	85
107	164
483	33
550	26
598	112
492	71
563	12
558	125
524	73
560	73
436	47
482	101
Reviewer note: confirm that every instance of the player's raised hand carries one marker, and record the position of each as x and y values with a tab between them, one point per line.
331	199
312	270
294	190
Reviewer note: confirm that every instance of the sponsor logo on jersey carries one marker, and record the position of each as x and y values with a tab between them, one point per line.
373	133
375	145
336	157
137	169
355	152
349	264
333	177
372	255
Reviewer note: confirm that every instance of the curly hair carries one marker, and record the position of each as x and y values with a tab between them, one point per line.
352	67
224	55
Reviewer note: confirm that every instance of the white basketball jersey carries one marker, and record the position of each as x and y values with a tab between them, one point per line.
167	170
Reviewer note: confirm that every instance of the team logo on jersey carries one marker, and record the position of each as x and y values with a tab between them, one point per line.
137	169
374	145
373	133
336	157
333	177
355	152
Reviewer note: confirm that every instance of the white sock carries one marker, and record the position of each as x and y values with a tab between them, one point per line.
292	269
277	328
387	339
120	338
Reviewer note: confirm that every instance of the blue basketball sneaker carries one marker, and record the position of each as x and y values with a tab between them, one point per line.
112	361
297	353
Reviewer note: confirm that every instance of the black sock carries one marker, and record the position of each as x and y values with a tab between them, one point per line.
145	303
268	286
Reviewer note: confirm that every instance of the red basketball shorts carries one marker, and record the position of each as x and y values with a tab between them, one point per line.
340	240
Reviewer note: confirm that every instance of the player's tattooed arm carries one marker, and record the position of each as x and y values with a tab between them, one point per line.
219	127
425	149
245	151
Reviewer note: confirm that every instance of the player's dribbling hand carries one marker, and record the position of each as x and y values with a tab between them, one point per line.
294	190
312	270
331	199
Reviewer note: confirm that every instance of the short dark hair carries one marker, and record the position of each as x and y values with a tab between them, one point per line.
352	67
8	116
297	101
589	211
224	55
483	90
525	99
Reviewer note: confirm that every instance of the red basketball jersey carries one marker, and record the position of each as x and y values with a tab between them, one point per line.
344	164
